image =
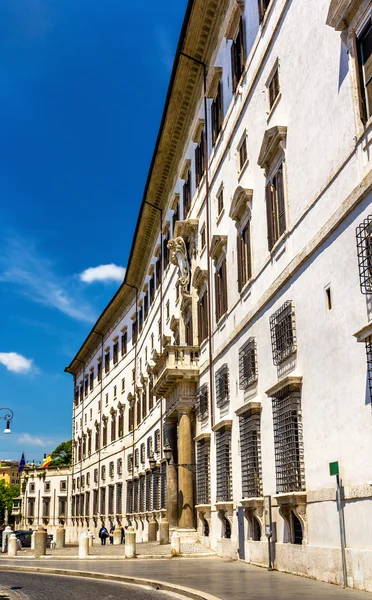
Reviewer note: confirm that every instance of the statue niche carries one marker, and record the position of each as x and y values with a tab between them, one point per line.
178	257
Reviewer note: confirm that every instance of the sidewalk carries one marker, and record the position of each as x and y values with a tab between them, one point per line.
225	579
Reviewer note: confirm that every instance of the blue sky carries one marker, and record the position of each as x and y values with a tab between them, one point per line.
83	85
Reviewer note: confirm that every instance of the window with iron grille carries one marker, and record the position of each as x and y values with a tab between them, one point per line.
129	496
95	502
283	332
238	56
247	364
202	402
149	447
148	491
111	469
88	478
275	207
368	343
103	472
222	386
364	250
135	496
119	497
157	441
163	485
199	160
130	463
155	489
103	501
95	476
250	452
111	491
288	443
223	459
119	466
136	458
203	471
143	456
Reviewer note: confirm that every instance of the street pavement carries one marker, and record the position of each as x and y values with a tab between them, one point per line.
29	586
225	579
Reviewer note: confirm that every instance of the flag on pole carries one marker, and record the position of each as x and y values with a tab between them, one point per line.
46	462
22	463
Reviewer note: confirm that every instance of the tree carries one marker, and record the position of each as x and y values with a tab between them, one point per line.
7	494
62	455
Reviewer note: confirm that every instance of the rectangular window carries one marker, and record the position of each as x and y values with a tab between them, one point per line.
129	496
247	364
148	491
176	216
243	153
223	459
103	501
275	208
199	160
91	379
238	56
222	386
115	356
363	65
202	402
134	331
130	463
152	288
111	491
244	255
220	278
62	506
273	88
364	251
189	337
216	114
131	418
86	386
136	458
95	476
95	502
262	8
288	444
149	447
99	371
32	488
140	319
124	343
135	496
202	238
250	453
119	498
187	195
203	317
163	485
155	489
107	361
143	454
104	433
220	202
158	272
203	471
283	332
121	423
157	441
111	469
145	305
142	493
63	485
166	250
103	472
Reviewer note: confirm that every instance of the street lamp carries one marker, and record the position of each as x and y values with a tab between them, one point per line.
8	418
152	463
167	451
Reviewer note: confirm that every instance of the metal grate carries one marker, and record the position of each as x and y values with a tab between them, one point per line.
250	450
222	386
283	332
203	471
111	491
129	496
135	496
157	440
103	501
148	491
130	463
163	485
136	458
142	493
155	489
223	459
369	363
364	250
143	453
95	502
149	447
119	498
288	444
247	364
202	402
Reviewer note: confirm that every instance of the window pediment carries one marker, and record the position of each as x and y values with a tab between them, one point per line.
196	136
233	22
185	169
174	323
218	244
240	202
214	76
199	277
274	139
185	229
341	12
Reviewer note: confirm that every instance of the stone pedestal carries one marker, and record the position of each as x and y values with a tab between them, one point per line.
60	537
130	543
91	538
185	476
152	530
84	545
176	544
12	545
6	533
40	542
164	532
117	535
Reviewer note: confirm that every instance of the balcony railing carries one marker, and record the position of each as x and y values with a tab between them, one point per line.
173	365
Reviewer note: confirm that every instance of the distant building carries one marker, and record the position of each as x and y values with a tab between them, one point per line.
9	472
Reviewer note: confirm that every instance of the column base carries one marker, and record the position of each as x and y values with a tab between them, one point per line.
188	536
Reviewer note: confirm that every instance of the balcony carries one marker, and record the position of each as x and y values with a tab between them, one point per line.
175	364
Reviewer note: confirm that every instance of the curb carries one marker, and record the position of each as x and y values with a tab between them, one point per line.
50	557
152	583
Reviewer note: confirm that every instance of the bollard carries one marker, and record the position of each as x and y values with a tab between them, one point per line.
152	530
84	545
91	538
130	543
164	532
33	540
12	545
175	544
6	533
40	542
117	535
60	537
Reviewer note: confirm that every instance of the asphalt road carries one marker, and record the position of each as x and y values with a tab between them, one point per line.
30	586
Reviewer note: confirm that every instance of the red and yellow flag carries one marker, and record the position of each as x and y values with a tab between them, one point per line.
46	462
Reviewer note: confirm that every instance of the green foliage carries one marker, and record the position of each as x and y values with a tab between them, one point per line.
62	455
7	494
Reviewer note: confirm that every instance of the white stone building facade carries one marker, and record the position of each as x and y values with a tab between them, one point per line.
236	347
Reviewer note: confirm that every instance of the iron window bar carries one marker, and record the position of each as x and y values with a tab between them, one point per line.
283	332
203	471
368	344
250	451
223	460
364	251
202	402
222	386
248	364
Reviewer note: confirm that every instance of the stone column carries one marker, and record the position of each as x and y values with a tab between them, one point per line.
185	476
172	484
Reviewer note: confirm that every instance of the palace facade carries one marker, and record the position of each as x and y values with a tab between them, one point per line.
234	364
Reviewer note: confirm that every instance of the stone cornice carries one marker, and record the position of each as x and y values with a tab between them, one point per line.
289	381
341	12
240	202
213	80
272	139
217	245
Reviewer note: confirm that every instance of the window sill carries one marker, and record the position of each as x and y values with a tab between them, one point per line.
222	319
202	250
279	243
246	288
203	506
220	215
272	109
266	16
242	170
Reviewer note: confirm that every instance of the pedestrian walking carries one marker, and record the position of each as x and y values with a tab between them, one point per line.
103	534
112	529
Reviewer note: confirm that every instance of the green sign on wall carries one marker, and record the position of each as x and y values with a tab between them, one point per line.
333	468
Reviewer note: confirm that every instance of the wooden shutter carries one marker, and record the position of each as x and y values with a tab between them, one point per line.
247	241
269	215
223	287
261	11
240	260
217	294
241	48
280	201
359	79
233	67
200	317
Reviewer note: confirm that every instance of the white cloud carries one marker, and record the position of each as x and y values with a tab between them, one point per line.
109	272
30	440
16	362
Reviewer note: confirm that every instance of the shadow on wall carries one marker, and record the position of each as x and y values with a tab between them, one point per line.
344	64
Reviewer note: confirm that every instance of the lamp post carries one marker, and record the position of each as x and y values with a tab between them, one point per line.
8	418
167	450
